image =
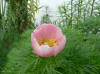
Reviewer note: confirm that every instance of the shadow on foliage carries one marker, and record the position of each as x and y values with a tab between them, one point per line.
5	46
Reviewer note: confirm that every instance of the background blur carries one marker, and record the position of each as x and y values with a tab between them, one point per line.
79	21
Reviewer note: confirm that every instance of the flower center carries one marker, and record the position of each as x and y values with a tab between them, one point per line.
47	41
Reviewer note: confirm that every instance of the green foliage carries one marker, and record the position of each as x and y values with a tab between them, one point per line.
45	18
76	11
14	19
8	26
91	24
65	17
33	7
80	56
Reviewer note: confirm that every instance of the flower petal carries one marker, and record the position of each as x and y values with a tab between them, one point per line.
34	42
61	45
48	31
45	51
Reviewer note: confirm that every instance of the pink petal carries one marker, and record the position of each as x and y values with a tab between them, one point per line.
61	45
34	42
48	31
45	51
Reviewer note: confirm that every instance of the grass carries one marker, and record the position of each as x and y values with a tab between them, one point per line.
80	56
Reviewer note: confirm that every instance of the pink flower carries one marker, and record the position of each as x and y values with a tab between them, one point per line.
47	40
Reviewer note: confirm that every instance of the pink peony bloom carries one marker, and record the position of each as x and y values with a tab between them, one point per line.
47	40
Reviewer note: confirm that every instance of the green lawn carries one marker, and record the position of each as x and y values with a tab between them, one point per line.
81	55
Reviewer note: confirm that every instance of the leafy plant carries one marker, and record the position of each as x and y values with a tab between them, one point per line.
80	56
45	18
90	25
76	11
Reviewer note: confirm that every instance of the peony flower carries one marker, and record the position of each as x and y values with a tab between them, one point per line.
47	40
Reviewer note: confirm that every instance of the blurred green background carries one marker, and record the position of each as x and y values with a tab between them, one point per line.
80	23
